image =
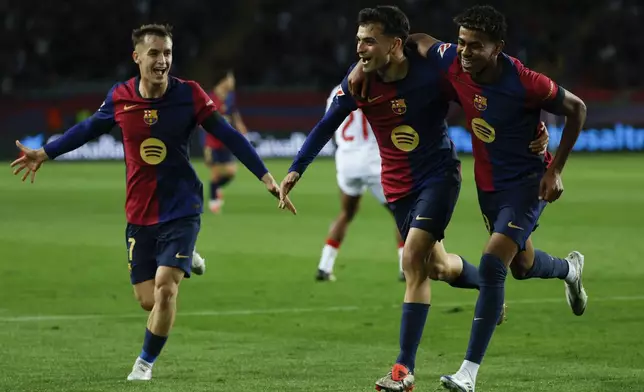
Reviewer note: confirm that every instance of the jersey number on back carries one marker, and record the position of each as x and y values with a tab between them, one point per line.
365	131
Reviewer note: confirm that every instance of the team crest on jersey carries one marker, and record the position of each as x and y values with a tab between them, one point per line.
150	116
399	106
443	48
480	102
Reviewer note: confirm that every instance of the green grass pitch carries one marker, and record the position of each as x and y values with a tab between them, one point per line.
257	320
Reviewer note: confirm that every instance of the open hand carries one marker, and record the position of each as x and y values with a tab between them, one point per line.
31	160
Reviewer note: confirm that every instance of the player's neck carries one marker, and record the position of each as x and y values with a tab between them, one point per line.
152	91
489	74
395	70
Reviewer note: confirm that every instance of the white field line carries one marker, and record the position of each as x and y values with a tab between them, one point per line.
253	312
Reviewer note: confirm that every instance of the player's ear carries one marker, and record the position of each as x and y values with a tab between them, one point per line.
499	47
135	56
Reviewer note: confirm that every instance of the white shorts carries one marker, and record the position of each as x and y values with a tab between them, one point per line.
356	186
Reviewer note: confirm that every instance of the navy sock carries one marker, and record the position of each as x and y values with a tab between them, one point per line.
489	305
152	346
213	190
223	181
547	267
469	277
412	324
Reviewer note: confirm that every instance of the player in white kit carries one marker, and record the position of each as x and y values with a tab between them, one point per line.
358	166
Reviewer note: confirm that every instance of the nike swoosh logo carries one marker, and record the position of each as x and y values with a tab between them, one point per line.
128	107
513	226
373	99
478	318
180	256
418	217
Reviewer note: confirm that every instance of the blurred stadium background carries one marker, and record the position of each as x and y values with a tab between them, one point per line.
257	321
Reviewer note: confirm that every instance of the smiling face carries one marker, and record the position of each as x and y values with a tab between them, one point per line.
153	55
476	50
373	47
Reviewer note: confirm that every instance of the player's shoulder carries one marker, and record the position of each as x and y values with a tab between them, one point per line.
124	90
443	50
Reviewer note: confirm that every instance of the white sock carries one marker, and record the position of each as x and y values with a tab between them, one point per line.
400	254
469	368
329	253
572	273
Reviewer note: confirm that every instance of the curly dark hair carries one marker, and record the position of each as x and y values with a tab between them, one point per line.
394	22
483	18
160	30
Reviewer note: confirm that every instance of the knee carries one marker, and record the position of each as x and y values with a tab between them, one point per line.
437	269
519	268
147	304
231	171
414	265
492	271
165	293
146	301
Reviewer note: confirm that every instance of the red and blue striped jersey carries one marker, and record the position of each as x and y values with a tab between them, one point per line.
408	120
502	117
161	183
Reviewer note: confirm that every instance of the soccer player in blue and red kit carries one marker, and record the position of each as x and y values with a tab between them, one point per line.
502	100
217	156
156	114
420	169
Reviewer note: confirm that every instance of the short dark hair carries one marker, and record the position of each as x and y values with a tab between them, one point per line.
483	18
160	30
394	22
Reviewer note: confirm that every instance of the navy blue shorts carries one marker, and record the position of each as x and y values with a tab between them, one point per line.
429	209
168	244
513	212
219	156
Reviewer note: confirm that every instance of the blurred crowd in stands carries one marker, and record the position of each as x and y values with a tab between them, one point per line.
300	43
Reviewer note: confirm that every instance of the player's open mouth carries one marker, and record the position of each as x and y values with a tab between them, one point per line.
365	61
159	71
466	63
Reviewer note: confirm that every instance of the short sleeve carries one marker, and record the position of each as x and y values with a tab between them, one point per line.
204	106
540	90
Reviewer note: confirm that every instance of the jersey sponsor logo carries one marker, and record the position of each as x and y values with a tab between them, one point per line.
405	138
483	131
150	116
480	102
399	106
370	100
443	48
128	107
153	151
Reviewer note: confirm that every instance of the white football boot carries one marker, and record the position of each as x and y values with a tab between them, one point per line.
141	371
198	263
459	382
575	293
